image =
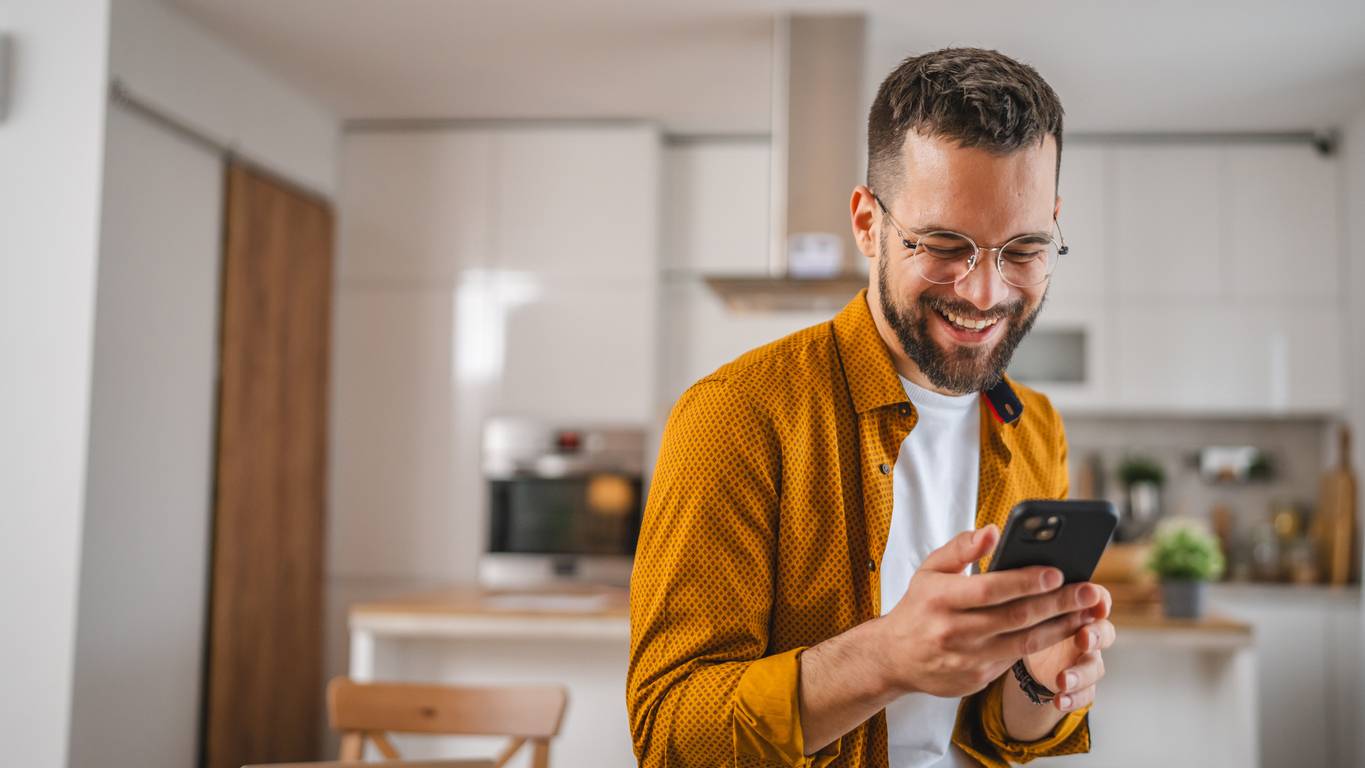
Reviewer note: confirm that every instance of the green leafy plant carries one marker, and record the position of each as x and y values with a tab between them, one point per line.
1185	552
1140	469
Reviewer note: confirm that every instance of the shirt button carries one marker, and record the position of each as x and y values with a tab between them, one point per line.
885	468
904	409
871	566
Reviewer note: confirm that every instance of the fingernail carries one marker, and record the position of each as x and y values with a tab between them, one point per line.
1087	595
1066	702
1070	681
1094	638
1052	579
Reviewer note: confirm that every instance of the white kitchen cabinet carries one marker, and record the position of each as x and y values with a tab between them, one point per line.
1308	664
1283	223
716	207
1228	358
579	353
1084	273
1068	355
486	271
578	201
1167	228
416	206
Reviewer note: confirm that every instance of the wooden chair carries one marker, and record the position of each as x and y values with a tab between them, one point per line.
361	711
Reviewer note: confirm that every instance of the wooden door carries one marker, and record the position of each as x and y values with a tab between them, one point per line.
264	677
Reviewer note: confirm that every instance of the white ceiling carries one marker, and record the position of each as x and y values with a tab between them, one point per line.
703	65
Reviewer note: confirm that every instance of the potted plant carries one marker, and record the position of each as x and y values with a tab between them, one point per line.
1184	556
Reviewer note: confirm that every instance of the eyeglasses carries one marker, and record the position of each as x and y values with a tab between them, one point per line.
944	257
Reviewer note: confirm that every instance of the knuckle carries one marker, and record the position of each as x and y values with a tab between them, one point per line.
940	636
1018	615
980	591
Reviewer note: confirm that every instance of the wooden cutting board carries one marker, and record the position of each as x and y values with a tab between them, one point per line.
1338	524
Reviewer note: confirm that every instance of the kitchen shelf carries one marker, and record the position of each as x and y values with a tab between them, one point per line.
761	293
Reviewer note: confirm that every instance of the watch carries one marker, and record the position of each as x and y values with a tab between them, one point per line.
1034	690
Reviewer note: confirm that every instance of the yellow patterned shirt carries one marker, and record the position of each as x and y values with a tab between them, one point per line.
768	511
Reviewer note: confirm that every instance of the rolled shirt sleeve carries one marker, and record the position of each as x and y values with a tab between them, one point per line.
980	731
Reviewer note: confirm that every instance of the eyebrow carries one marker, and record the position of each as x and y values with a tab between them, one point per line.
927	228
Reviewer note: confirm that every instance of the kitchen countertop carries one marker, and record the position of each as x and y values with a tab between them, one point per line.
603	613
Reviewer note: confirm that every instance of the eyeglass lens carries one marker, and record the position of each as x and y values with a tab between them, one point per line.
946	257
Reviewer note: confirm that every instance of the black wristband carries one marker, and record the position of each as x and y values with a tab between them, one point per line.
1034	690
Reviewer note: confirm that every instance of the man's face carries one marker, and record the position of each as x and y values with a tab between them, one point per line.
991	199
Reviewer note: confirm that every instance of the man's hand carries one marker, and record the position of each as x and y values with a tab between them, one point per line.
952	634
1073	666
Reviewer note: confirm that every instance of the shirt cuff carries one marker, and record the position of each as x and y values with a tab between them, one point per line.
1070	736
767	714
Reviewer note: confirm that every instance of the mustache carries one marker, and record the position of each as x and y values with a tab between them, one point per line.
968	310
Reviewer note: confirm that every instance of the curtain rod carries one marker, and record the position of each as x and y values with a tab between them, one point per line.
119	93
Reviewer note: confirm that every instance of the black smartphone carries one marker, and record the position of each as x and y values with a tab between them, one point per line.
1067	535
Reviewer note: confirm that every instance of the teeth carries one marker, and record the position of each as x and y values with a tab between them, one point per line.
963	322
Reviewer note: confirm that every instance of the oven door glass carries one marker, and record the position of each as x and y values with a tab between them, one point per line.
595	514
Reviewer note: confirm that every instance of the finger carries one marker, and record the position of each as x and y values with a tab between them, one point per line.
987	589
1106	606
1097	636
1022	642
1028	611
1084	673
962	550
1071	702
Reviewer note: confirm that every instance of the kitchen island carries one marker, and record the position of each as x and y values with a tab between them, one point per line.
1177	692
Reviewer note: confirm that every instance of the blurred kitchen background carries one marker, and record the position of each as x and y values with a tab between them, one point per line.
340	334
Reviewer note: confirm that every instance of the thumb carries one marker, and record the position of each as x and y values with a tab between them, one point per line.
963	550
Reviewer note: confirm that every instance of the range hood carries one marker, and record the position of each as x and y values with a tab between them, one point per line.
817	148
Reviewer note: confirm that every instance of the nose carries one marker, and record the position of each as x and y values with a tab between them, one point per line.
983	286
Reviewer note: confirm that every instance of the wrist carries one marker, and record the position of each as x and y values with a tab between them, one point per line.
1036	691
876	647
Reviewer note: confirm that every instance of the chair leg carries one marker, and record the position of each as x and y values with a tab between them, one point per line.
540	753
385	747
507	752
352	746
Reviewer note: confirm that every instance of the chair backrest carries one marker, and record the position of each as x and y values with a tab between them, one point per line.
361	711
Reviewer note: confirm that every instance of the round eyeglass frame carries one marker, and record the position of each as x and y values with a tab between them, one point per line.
1061	246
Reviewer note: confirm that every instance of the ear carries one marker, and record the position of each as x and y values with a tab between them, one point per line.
863	214
1057	209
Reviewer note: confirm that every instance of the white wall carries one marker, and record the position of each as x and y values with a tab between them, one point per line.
51	147
1353	149
165	57
144	565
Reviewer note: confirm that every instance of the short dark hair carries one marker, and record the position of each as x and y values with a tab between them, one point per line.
977	97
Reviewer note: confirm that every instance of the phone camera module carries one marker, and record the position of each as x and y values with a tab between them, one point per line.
1042	527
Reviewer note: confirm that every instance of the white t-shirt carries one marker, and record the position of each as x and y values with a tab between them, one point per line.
933	496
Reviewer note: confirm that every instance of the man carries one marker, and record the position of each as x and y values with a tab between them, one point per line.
800	594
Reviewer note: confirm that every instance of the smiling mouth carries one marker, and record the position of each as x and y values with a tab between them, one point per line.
967	324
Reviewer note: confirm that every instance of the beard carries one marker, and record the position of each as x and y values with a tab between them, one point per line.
959	369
